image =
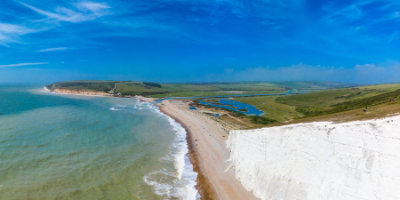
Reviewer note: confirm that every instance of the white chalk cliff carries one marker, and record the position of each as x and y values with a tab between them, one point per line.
320	160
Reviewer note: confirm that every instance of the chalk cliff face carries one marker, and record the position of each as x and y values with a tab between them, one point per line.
81	92
321	160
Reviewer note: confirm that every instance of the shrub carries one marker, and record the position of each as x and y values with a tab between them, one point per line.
261	120
152	84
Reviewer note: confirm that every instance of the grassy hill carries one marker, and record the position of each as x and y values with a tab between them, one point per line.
132	88
310	101
360	101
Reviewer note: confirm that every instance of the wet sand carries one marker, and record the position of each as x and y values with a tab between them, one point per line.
208	153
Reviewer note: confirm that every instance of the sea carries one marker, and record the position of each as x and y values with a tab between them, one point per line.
55	146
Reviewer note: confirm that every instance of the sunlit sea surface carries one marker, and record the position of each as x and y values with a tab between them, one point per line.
76	147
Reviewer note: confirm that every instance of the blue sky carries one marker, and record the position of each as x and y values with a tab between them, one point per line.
200	40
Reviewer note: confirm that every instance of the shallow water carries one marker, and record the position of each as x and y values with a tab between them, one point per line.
233	105
74	147
229	104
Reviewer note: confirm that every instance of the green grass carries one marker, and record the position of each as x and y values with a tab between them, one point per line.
137	88
292	107
318	101
103	86
385	98
384	87
261	120
188	90
272	109
339	100
151	89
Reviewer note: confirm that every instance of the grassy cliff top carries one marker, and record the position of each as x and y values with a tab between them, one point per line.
343	104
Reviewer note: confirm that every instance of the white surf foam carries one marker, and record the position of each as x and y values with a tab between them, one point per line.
140	105
118	107
46	89
161	188
114	108
183	186
41	91
183	166
135	105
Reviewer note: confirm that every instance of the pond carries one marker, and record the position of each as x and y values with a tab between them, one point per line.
229	104
236	106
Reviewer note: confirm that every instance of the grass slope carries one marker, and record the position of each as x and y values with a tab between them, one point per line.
332	103
318	101
132	88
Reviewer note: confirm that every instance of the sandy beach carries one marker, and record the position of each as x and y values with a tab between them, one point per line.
208	152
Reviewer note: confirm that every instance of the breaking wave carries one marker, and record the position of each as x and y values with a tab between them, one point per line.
183	177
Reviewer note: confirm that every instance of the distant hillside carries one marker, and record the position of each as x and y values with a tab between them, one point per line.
334	101
152	89
310	101
339	104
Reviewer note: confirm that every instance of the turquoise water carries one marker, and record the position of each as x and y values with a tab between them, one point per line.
74	147
233	105
236	106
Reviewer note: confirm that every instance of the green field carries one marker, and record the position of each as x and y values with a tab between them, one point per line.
272	109
308	101
132	88
300	106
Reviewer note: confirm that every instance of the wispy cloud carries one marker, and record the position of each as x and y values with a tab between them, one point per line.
257	33
11	32
97	9
10	28
23	64
82	11
55	49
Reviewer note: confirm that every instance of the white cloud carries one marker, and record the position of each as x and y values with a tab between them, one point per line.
55	49
83	11
78	12
11	28
11	32
22	64
98	9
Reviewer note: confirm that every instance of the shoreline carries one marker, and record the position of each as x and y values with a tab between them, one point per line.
215	178
208	153
202	185
202	134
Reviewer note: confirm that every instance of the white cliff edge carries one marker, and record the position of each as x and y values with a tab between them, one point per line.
320	160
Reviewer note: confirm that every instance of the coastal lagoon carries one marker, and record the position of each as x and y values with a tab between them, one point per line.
78	147
233	105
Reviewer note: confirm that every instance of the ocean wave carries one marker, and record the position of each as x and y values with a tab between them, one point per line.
140	105
177	182
40	91
183	186
160	187
114	108
136	105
